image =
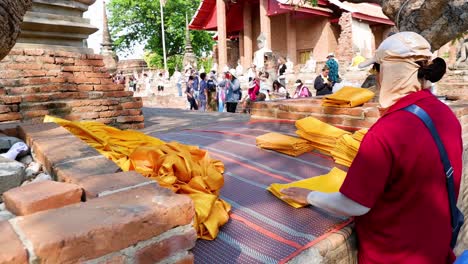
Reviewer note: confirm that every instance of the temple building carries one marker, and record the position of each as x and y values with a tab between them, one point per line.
291	29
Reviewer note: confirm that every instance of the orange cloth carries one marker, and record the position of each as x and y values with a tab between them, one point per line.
181	168
348	97
283	143
347	147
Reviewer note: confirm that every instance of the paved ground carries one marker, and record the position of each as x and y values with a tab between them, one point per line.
167	119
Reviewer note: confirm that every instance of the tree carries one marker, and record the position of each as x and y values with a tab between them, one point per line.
439	21
138	21
11	15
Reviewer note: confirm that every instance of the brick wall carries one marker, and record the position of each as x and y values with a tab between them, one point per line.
363	117
75	86
122	217
344	50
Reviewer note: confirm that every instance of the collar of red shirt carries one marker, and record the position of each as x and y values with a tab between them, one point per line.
408	100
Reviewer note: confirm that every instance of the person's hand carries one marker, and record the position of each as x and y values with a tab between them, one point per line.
298	195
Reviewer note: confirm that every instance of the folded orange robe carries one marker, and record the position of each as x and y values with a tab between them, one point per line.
348	97
181	168
328	183
283	143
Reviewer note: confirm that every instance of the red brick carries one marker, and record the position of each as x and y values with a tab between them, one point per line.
34	81
24	59
97	75
95	95
358	111
132	105
74	171
104	225
134	126
304	108
94	57
94	185
106	121
49	88
36	113
12	249
9	82
33	73
90	109
77	68
64	61
100	69
34	52
360	123
79	103
371	112
128	119
329	119
291	115
178	243
45	59
7	99
24	66
23	90
54	73
118	94
67	54
41	196
188	259
98	63
51	67
107	81
11	74
10	117
133	112
9	129
36	98
30	133
113	259
16	52
109	87
51	151
83	80
4	109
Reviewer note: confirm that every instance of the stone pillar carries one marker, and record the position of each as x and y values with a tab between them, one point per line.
222	32
107	48
265	22
291	38
241	48
248	37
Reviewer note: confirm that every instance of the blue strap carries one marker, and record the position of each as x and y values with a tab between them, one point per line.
419	112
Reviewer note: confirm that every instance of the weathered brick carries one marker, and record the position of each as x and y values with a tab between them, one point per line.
97	75
12	249
34	52
106	121
9	129
98	63
46	59
94	57
54	73
10	117
77	68
357	123
128	119
85	80
16	52
187	259
67	54
107	81
11	74
94	185
52	151
4	109
82	116
132	105
9	82
35	80
118	94
24	58
51	67
96	95
104	225
109	87
90	109
64	60
358	111
33	114
33	73
41	196
291	115
177	243
329	119
74	171
36	98
24	66
30	133
79	103
302	108
134	126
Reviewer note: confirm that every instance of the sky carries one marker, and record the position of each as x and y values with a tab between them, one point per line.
95	14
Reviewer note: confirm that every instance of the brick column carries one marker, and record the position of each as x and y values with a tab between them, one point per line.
265	22
248	46
222	32
344	51
291	38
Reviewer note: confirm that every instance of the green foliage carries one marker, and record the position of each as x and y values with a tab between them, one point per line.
139	21
207	63
175	62
154	60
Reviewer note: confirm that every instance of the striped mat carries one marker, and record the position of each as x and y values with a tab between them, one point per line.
262	228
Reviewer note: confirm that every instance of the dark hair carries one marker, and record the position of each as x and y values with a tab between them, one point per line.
191	78
433	71
278	85
267	75
298	81
325	68
202	75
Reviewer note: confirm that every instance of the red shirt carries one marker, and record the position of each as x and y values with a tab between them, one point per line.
398	173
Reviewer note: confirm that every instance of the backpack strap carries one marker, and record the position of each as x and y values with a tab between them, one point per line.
454	211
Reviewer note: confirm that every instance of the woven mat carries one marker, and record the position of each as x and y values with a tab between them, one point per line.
262	228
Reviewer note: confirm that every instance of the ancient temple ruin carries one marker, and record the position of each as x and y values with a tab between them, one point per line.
50	71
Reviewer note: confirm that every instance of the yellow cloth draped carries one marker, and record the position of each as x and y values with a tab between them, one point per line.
348	97
283	143
328	183
347	147
358	59
322	136
181	168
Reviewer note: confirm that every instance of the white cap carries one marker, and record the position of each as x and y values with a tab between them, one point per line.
252	84
401	45
331	54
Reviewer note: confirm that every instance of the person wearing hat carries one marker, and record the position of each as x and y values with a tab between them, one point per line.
233	91
252	92
333	65
396	187
301	90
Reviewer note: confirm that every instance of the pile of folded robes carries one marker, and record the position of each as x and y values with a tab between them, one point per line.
347	147
348	97
289	145
322	136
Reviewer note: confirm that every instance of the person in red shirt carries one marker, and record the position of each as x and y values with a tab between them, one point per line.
396	185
